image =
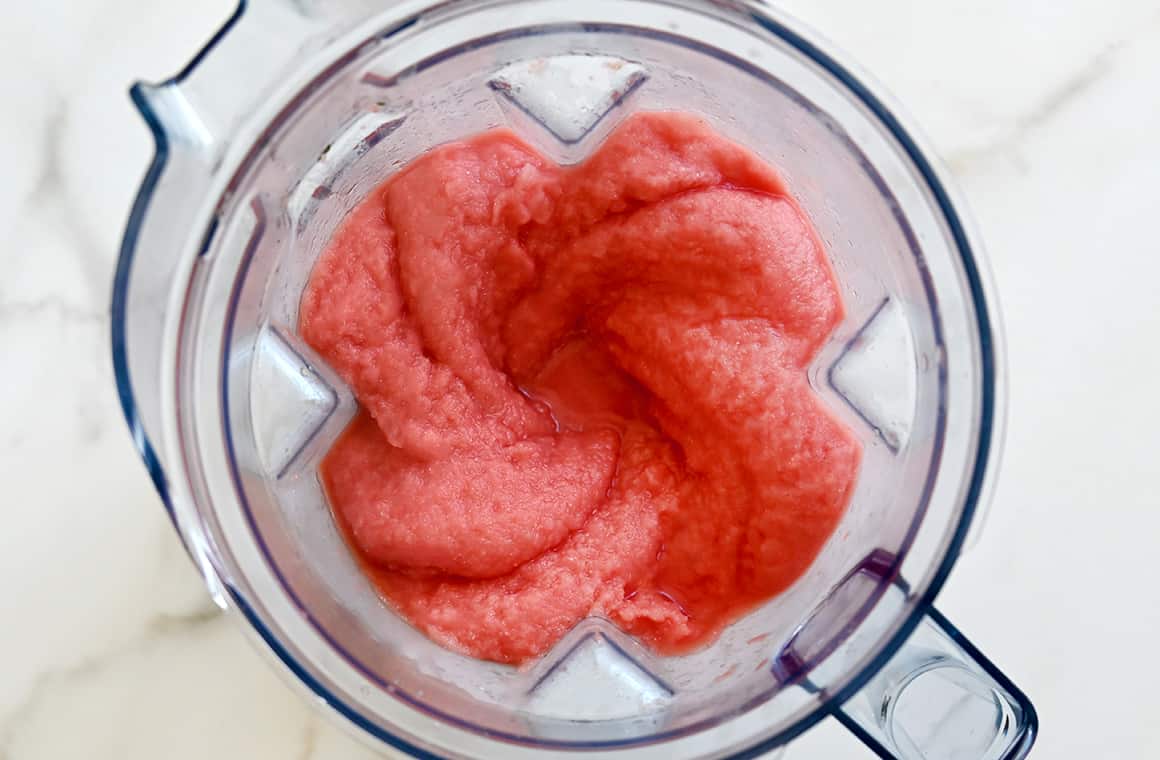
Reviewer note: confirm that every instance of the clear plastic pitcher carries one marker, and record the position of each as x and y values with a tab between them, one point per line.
298	108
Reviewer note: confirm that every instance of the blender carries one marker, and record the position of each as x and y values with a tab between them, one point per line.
296	109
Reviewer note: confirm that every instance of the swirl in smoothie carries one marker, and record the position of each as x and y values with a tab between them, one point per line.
582	389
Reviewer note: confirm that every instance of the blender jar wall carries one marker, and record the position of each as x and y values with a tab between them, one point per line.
450	99
256	409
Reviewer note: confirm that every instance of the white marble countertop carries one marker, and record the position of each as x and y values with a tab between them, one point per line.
1048	113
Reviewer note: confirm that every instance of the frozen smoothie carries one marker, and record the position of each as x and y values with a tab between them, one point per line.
582	389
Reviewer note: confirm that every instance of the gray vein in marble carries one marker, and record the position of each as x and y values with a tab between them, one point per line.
1040	114
168	624
50	193
1052	104
156	629
1074	88
50	305
309	739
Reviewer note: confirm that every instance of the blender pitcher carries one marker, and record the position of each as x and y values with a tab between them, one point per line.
298	108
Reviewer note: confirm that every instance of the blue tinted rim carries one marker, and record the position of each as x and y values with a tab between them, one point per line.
946	207
119	304
987	363
358	664
1030	717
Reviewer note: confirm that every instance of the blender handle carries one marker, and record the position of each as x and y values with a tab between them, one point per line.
940	697
241	66
194	117
244	65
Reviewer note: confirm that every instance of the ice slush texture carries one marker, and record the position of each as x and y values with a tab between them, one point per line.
582	389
